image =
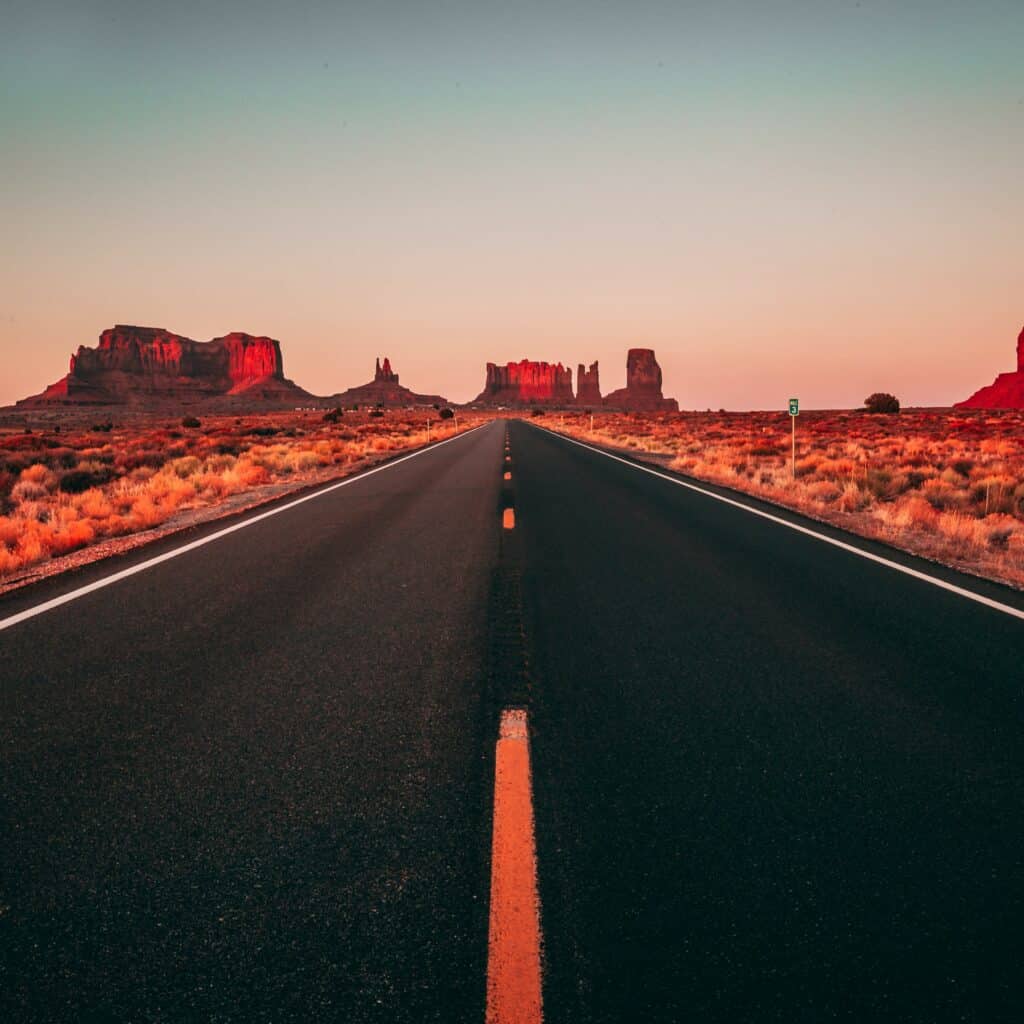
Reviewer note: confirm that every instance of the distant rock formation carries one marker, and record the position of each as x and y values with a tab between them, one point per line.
145	364
384	390
527	383
588	387
1006	392
383	374
642	392
536	383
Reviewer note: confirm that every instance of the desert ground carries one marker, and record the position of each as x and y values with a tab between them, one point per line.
945	484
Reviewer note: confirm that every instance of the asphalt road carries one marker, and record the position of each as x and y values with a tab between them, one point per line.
772	780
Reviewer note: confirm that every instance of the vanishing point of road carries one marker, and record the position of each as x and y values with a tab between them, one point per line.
744	773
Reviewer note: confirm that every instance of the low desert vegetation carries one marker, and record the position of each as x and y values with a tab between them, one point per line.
881	401
946	484
63	488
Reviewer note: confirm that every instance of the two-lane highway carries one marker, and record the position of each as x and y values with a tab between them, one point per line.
772	780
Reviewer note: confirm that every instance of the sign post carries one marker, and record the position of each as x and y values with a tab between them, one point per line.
794	411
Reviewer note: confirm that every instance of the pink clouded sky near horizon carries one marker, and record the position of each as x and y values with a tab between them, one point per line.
812	198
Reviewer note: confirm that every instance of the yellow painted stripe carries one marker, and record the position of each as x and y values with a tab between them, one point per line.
513	960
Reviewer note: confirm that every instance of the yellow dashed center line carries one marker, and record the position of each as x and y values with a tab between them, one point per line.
513	956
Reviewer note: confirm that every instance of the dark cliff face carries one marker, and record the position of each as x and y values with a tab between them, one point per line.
643	374
588	386
525	382
643	385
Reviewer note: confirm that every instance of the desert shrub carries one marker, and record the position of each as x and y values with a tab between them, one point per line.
185	467
915	512
265	431
38	473
376	412
190	422
881	401
28	490
446	413
70	537
220	462
103	428
824	492
853	498
999	528
77	481
305	461
333	415
137	460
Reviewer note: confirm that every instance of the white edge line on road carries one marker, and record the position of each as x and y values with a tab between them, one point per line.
106	581
807	531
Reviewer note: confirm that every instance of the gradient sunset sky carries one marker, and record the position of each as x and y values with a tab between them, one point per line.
814	198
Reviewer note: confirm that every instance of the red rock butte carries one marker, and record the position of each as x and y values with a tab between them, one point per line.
588	385
642	392
1005	392
384	390
136	365
529	382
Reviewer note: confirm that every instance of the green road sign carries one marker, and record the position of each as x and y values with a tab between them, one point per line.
794	407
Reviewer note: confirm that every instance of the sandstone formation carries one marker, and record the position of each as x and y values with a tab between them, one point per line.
1006	392
642	392
536	383
527	383
384	390
383	374
135	365
588	387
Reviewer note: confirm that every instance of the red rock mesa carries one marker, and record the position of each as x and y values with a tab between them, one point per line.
527	383
1006	392
142	364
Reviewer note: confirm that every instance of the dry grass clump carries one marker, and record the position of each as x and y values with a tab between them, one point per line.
948	484
63	490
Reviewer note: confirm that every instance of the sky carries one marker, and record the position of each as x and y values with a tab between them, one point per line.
820	198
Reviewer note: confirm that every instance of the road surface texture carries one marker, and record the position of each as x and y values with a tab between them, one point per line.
773	781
